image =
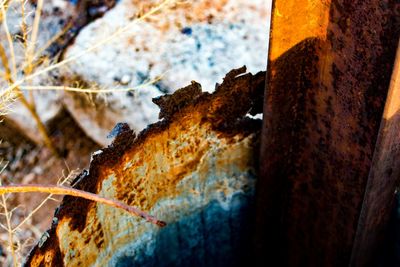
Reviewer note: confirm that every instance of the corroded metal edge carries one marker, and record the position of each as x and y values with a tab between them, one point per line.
225	110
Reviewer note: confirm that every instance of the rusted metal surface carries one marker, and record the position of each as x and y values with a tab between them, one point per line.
195	170
328	76
383	178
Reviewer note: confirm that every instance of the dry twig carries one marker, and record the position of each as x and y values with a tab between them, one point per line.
63	190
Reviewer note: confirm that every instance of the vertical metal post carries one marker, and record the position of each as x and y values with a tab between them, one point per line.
328	75
383	178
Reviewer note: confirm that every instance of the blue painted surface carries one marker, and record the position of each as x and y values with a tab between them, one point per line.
212	237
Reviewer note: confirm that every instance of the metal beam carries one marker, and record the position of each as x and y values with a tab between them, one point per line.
328	76
383	178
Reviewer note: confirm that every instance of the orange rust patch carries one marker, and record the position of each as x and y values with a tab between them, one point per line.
172	162
72	243
310	18
328	73
149	167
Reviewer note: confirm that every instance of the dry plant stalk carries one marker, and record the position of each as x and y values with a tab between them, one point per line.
63	190
7	214
89	90
8	228
11	74
72	58
30	56
66	179
15	250
16	84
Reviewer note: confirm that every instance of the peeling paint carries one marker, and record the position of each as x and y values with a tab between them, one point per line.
195	169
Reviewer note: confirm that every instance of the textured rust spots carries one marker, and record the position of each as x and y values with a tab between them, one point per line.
148	167
159	188
170	104
383	179
220	109
323	107
88	180
49	254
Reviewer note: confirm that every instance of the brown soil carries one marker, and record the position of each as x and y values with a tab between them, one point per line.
29	163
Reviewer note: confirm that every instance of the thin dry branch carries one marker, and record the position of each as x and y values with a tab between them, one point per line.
3	3
5	63
24	26
88	90
51	41
35	30
42	129
62	190
14	86
153	11
7	214
10	42
50	196
11	76
8	226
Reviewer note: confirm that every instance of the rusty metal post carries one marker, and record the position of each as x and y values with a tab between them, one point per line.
328	76
383	177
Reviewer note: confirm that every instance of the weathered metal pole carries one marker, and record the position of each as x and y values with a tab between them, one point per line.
329	70
383	178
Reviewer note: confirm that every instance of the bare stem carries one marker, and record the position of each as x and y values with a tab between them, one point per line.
11	75
153	11
24	26
42	129
87	90
4	62
62	190
10	232
15	85
9	40
24	37
50	196
35	29
49	43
